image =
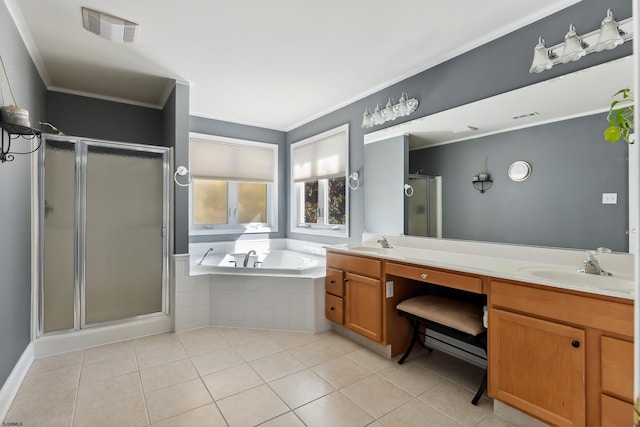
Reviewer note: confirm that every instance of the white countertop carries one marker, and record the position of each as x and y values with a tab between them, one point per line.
551	267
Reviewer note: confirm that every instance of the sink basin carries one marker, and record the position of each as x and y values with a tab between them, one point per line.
589	281
375	249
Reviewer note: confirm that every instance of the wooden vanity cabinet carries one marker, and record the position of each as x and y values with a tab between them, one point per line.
563	357
355	294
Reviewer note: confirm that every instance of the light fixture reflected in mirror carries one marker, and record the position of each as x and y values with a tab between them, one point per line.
391	111
610	35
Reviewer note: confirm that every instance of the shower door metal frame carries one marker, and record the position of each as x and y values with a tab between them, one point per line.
80	223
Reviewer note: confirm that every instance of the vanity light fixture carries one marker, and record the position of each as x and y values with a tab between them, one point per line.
610	35
391	111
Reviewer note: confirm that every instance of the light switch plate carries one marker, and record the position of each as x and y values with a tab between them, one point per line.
609	198
390	289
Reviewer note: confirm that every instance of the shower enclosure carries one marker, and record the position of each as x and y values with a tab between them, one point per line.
424	207
103	226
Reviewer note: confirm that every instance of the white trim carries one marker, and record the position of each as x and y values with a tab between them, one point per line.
11	386
240	122
104	97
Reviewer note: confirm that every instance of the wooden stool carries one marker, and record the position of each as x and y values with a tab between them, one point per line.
457	319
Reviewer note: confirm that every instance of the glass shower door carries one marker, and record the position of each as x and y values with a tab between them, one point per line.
124	233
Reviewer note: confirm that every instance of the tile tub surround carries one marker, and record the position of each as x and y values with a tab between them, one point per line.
283	302
217	377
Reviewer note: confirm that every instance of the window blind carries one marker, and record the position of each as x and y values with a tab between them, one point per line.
322	158
227	161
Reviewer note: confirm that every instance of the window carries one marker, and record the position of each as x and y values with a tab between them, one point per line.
319	197
234	185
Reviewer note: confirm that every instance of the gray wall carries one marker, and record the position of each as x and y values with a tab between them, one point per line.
559	205
496	67
15	202
249	133
100	119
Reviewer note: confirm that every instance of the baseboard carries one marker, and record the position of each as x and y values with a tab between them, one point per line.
11	386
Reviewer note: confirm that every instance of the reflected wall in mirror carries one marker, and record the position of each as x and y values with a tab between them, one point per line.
556	126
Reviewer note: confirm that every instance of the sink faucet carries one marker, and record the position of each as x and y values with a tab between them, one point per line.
246	257
384	242
205	256
591	264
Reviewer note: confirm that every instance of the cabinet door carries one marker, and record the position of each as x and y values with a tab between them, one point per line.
334	282
363	306
538	367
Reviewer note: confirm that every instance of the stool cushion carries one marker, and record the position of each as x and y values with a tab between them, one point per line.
455	314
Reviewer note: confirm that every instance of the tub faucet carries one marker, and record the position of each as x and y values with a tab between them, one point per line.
247	256
205	256
591	264
384	242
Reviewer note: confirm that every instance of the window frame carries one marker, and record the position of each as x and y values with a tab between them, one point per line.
296	212
233	227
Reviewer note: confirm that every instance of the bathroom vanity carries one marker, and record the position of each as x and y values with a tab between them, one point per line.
558	350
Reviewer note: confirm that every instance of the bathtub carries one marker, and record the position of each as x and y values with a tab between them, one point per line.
281	288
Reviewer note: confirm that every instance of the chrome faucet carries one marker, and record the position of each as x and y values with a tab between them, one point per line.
205	256
384	242
246	257
591	264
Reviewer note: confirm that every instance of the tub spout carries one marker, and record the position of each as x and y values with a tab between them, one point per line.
247	256
205	256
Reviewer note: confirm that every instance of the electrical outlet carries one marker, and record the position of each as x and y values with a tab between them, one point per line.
609	198
390	289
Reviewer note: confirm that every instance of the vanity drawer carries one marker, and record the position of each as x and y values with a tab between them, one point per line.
585	310
366	266
615	412
334	282
334	308
437	277
617	367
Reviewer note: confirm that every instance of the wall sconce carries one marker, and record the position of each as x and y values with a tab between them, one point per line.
610	35
182	171
391	111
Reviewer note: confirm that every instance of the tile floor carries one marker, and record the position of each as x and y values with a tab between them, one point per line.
245	377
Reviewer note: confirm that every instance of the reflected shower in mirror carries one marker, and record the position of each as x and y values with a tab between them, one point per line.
557	127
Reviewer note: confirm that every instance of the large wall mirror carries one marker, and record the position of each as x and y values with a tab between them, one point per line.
556	127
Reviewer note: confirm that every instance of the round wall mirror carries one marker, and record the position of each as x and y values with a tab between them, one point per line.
519	171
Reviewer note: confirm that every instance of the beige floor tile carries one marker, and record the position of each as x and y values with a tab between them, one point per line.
492	420
129	412
48	383
370	360
315	353
376	424
342	371
53	407
417	413
198	334
252	407
238	336
289	340
55	362
173	400
204	416
154	355
333	410
103	392
203	344
301	388
276	366
376	395
168	374
109	351
216	361
286	420
340	343
256	349
412	378
108	368
234	380
455	402
456	370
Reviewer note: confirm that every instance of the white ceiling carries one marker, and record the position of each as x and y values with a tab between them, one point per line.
270	63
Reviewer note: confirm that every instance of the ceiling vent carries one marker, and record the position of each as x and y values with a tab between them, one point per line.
108	26
522	116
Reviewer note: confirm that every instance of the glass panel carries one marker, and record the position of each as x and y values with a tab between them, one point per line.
252	202
337	201
310	202
209	202
124	243
59	214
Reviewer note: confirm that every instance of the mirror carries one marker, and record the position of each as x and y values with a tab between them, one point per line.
556	127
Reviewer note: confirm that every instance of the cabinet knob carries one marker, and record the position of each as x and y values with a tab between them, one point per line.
346	280
332	308
423	275
575	344
332	281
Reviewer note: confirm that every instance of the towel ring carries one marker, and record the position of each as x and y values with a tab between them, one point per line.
408	190
355	177
182	171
